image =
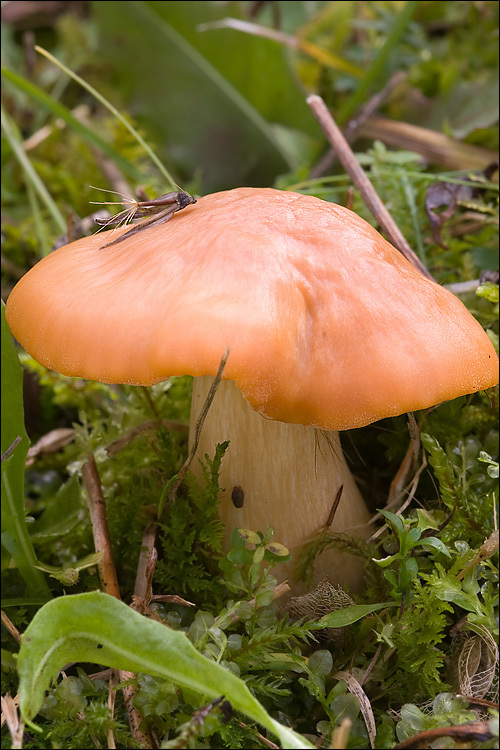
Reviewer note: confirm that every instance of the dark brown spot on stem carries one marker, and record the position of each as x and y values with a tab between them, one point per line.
238	497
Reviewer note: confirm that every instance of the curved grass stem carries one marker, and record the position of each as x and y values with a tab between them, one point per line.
100	98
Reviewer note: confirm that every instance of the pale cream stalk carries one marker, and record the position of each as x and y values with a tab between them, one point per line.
286	475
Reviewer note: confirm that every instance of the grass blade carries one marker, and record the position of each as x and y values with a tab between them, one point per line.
173	37
100	98
374	70
15	537
29	170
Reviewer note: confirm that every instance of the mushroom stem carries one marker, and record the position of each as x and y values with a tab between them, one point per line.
282	475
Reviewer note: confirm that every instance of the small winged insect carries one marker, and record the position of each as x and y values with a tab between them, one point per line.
154	211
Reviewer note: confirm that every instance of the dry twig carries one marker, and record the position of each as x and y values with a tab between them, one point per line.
351	130
109	581
359	178
11	717
10	627
478	731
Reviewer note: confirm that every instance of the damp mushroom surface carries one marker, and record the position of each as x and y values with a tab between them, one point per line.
328	327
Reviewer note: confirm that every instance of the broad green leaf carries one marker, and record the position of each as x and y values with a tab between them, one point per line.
467	105
321	662
15	537
342	617
243	84
98	628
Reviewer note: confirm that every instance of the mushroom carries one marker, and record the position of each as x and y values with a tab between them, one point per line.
329	328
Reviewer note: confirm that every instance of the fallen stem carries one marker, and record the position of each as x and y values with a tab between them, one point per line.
111	706
478	730
10	627
109	582
352	128
144	575
100	528
361	181
412	489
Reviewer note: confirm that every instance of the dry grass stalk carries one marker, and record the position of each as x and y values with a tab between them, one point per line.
435	147
359	178
109	582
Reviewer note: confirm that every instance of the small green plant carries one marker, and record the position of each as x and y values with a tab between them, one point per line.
409	540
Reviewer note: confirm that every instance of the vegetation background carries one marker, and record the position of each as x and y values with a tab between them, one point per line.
223	104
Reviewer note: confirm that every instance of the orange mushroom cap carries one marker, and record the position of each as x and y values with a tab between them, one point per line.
327	324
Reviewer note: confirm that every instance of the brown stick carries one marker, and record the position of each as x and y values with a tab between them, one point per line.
10	627
435	147
15	725
477	730
100	528
353	126
359	178
109	581
144	574
111	705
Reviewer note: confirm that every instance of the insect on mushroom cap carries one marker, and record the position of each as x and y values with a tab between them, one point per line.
327	324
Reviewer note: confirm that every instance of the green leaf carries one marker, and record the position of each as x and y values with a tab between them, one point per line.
433	542
425	520
348	615
321	662
15	537
98	628
489	290
227	70
413	536
390	577
448	588
394	519
384	562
